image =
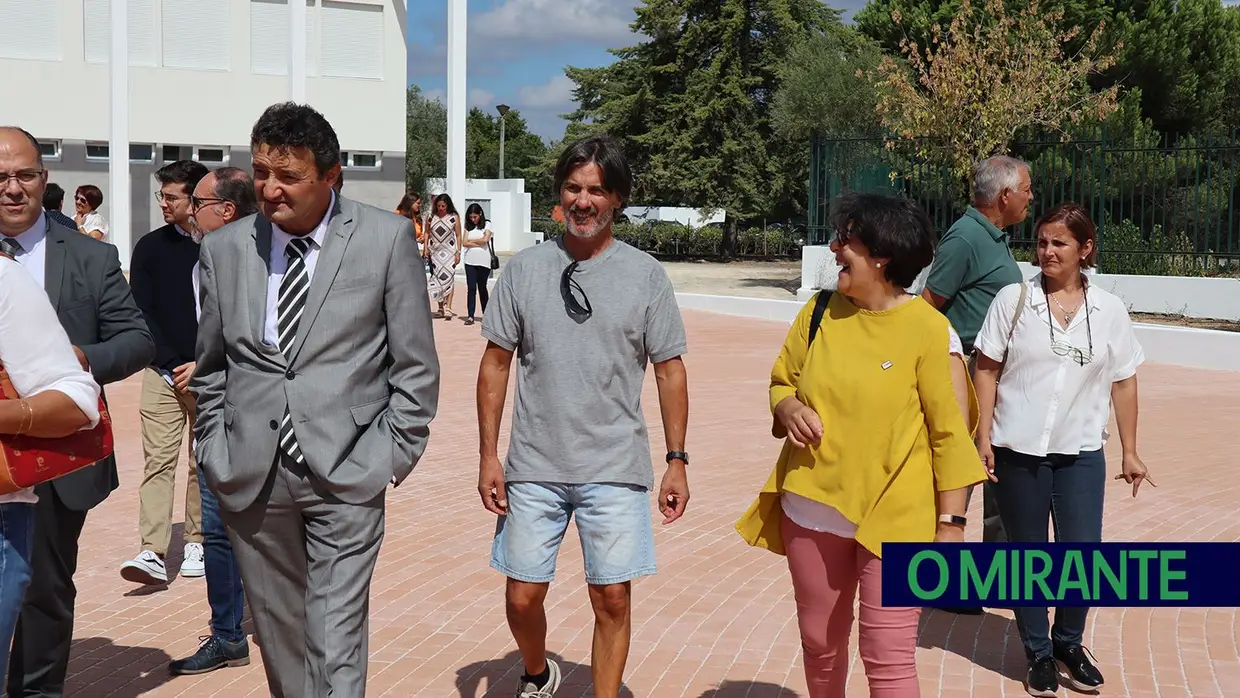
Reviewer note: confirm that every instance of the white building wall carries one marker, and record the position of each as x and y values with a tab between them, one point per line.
232	58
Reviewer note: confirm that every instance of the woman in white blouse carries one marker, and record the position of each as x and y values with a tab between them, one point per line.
86	202
56	398
1070	354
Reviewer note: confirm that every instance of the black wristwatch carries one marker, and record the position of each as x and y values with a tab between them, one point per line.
678	455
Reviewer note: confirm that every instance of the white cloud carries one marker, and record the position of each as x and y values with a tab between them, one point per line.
555	93
438	94
604	22
481	98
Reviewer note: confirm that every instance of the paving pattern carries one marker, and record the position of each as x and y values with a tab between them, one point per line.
718	621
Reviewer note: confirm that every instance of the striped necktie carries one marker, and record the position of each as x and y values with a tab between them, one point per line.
289	305
10	246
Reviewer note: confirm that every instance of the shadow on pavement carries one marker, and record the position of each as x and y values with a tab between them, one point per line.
500	677
749	689
988	640
97	665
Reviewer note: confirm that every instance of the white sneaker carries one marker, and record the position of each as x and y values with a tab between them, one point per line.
148	568
526	689
194	564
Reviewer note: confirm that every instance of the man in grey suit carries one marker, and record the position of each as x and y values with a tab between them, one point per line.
317	380
83	280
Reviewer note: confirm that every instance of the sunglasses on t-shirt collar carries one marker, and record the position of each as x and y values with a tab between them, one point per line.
571	290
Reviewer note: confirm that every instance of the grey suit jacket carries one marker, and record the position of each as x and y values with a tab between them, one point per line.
362	380
83	280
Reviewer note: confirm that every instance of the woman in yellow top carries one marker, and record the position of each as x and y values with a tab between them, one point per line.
877	449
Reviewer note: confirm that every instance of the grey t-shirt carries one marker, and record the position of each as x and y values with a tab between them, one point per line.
577	416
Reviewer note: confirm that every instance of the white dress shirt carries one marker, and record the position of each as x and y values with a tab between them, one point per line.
278	261
94	221
34	254
36	352
1046	403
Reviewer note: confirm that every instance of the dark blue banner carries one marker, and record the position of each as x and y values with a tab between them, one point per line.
1061	574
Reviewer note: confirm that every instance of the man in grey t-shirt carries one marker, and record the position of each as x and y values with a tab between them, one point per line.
583	314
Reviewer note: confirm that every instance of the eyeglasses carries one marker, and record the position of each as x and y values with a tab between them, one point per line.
24	177
568	285
1064	348
197	202
163	198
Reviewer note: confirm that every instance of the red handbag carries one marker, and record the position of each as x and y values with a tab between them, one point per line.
26	461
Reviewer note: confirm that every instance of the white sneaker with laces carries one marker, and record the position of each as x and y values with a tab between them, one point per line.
147	568
194	564
526	689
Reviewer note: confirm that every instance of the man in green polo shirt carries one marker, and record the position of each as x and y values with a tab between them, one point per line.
972	263
973	260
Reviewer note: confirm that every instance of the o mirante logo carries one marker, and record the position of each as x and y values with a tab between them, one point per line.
1061	574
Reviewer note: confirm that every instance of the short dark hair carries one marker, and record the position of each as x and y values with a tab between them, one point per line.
892	228
53	197
92	194
603	151
235	185
186	172
1076	219
288	125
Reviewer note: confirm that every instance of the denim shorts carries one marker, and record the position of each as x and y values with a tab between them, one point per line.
613	522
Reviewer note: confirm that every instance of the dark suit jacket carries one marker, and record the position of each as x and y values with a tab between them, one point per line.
83	280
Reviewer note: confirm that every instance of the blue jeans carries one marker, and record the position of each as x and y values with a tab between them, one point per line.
476	287
224	591
613	522
1065	490
16	539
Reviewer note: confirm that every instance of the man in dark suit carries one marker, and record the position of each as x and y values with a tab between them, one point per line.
83	280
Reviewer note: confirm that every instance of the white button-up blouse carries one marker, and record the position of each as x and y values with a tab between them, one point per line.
1055	393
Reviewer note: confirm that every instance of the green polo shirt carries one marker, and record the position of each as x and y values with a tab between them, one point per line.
972	263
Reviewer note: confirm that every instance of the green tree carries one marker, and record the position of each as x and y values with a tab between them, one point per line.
522	149
824	88
693	104
426	139
989	76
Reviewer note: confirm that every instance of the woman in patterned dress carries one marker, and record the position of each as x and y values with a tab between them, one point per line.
443	249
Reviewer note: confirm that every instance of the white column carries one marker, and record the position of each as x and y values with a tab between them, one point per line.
118	141
297	51
457	24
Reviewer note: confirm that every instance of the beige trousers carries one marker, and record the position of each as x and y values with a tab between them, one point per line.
165	416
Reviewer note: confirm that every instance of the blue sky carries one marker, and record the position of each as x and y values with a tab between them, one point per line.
518	50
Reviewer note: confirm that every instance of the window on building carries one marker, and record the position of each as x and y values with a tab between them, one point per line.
173	153
352	40
50	150
196	34
141	152
211	155
359	160
143	39
269	37
30	30
96	151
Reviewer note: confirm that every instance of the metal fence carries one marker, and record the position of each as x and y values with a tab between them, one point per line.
1165	205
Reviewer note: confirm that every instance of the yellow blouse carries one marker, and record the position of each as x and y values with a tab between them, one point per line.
893	433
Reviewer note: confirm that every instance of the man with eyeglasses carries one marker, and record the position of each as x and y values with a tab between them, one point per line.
161	274
84	282
585	313
223	196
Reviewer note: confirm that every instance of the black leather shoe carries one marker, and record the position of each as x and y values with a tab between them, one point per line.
1043	679
1078	666
215	653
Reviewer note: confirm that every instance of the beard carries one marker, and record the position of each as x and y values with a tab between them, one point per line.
601	221
195	231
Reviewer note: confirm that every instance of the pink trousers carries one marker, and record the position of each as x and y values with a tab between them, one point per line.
826	573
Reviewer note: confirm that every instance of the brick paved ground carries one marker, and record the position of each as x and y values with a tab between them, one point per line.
718	621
